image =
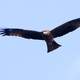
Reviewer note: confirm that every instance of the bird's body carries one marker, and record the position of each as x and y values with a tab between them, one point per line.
46	35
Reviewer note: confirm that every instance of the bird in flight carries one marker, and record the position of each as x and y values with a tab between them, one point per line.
46	35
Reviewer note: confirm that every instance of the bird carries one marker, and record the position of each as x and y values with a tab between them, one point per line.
46	35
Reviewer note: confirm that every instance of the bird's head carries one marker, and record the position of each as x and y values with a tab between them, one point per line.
46	32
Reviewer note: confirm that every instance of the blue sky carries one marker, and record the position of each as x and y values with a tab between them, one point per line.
22	59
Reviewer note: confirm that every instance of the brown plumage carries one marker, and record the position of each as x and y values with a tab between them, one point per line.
46	35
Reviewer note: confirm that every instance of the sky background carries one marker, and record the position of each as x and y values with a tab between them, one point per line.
22	59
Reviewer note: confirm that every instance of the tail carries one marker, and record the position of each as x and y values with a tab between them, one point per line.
52	45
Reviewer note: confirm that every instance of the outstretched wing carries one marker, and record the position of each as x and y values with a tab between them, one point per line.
66	28
22	33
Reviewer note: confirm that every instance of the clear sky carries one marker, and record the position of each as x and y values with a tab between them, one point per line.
22	59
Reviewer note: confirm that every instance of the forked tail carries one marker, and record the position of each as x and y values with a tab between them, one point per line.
52	45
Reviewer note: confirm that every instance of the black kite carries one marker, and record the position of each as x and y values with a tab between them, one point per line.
46	35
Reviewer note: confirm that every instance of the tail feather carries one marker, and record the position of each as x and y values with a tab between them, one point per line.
52	46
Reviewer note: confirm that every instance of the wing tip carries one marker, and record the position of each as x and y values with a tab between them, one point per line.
2	32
